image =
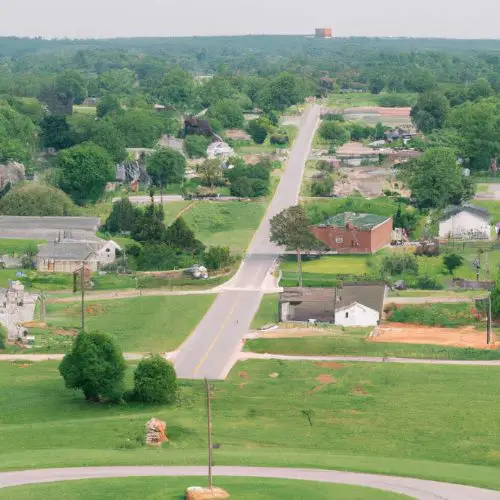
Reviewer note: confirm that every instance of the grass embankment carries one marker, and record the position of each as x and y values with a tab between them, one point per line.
267	313
386	418
13	246
365	99
173	488
139	324
229	224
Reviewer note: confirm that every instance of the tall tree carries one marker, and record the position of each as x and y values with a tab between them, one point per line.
292	229
430	111
107	105
105	134
122	217
180	236
166	166
84	171
210	172
149	224
96	366
56	133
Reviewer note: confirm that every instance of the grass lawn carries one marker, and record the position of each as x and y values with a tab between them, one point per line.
38	281
87	110
173	488
364	99
173	208
354	343
16	247
493	207
140	324
267	313
423	421
231	223
482	188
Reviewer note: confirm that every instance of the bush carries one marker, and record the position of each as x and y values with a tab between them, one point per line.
242	188
446	315
279	138
399	263
3	337
334	131
394	101
36	200
196	146
322	187
217	258
452	261
428	283
155	381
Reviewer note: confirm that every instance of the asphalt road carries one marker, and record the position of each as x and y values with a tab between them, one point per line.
213	347
414	488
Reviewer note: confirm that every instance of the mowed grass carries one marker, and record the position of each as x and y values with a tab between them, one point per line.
267	314
173	488
13	246
493	207
140	324
354	342
173	208
38	281
229	224
426	421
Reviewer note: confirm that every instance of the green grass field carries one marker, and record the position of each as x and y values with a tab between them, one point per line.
172	209
362	100
354	342
142	324
230	223
10	246
173	488
84	110
267	313
493	207
38	281
422	421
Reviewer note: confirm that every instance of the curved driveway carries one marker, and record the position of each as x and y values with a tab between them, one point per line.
415	488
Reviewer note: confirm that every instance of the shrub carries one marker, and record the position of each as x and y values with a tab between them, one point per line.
217	257
155	381
122	218
428	283
399	263
322	187
196	146
279	138
452	261
3	337
446	315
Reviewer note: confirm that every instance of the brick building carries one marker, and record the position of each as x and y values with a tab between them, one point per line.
355	233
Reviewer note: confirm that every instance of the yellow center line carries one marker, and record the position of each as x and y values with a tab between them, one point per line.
216	338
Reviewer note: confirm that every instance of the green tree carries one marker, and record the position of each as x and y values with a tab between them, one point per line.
334	132
430	111
282	91
166	166
155	381
436	179
95	365
257	130
210	173
14	150
36	200
3	337
196	146
217	258
71	84
56	133
106	135
149	224
228	113
141	128
180	236
479	89
292	229
107	105
242	188
177	89
452	261
377	84
397	263
122	217
84	171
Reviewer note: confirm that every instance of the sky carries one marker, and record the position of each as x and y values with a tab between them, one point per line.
128	18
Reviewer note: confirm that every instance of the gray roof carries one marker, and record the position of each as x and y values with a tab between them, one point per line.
318	303
456	209
65	251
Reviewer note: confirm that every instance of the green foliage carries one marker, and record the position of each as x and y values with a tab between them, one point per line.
377	84
71	84
217	258
196	146
210	172
393	100
452	261
282	91
15	126
177	89
141	128
84	171
3	337
122	218
107	105
36	200
228	113
258	130
322	187
149	226
333	131
436	179
166	166
56	133
179	236
96	366
106	135
14	150
398	263
155	381
430	111
445	315
242	188
249	181
480	89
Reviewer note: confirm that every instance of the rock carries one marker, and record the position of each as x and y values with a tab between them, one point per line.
11	172
199	493
156	432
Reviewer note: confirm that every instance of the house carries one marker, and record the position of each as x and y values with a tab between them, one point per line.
355	233
194	125
132	172
354	153
67	256
219	149
466	222
352	304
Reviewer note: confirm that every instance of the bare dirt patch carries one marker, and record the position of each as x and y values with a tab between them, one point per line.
330	364
94	309
417	334
34	324
243	375
66	333
359	390
324	379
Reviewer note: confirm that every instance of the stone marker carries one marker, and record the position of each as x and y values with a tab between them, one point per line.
156	432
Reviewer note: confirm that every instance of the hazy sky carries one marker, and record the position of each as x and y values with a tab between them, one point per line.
112	18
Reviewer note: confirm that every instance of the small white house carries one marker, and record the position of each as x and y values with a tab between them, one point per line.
356	314
466	222
219	149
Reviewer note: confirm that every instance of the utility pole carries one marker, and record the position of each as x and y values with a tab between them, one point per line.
208	390
488	323
42	306
82	286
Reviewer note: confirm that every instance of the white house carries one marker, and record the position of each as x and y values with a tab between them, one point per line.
219	149
353	304
466	222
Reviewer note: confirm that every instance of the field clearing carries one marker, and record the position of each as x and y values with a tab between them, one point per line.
385	418
173	488
405	333
139	324
13	246
84	110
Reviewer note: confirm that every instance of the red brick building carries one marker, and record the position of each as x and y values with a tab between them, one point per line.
355	233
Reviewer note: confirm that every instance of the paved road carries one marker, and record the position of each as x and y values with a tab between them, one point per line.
414	488
213	347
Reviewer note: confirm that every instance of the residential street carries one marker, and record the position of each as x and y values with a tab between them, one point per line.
413	488
213	347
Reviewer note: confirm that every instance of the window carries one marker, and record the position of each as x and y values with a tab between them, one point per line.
339	240
346	314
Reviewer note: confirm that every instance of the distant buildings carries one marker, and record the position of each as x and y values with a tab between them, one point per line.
323	33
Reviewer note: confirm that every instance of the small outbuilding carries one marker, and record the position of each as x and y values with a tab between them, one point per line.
465	222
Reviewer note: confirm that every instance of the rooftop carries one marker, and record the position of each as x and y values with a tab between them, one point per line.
65	251
361	222
456	209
